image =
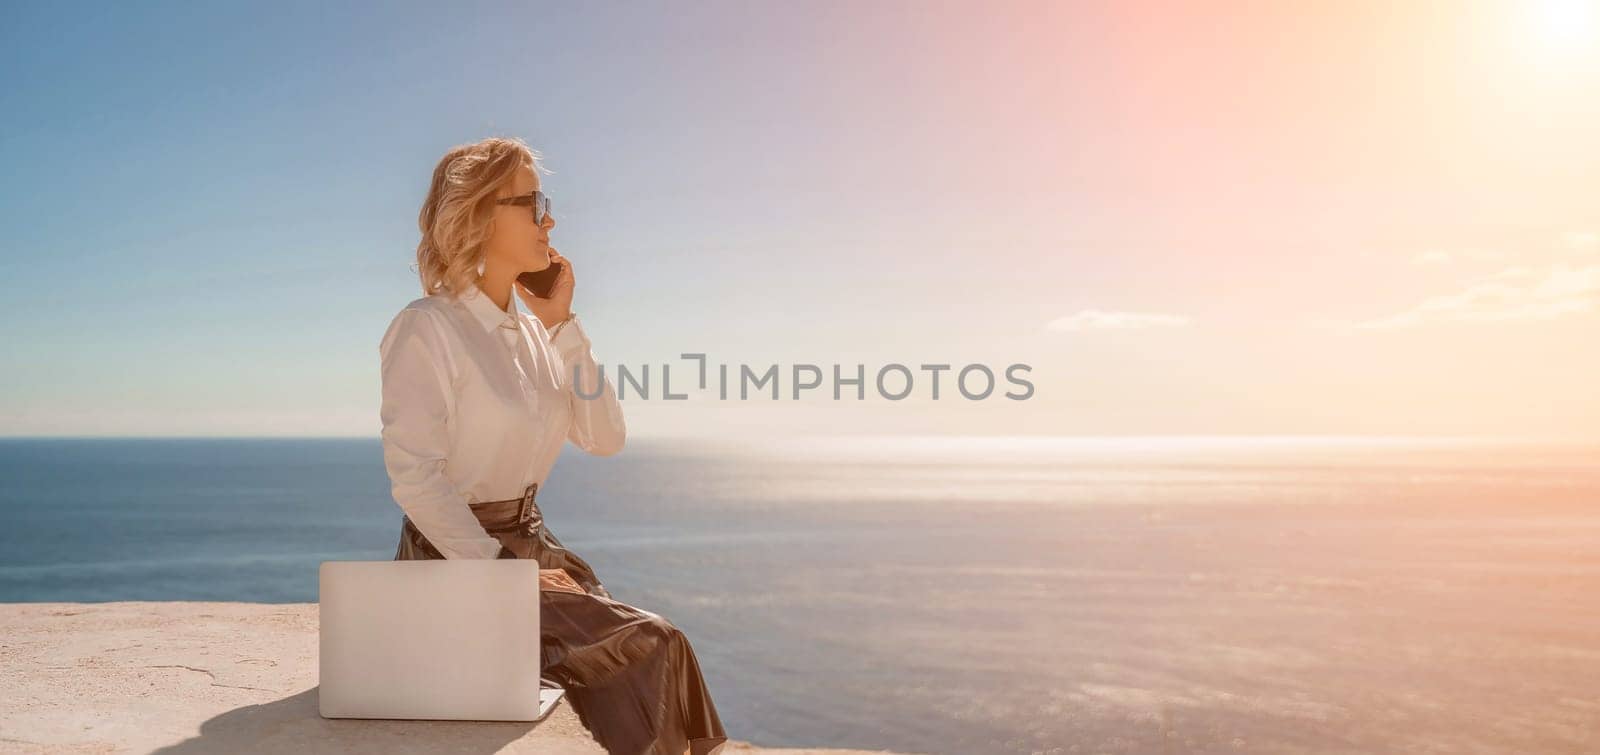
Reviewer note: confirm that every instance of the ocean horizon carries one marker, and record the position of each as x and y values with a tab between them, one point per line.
958	595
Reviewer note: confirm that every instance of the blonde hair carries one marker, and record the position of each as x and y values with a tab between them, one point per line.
460	204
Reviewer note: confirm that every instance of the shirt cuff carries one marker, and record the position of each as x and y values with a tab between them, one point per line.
570	340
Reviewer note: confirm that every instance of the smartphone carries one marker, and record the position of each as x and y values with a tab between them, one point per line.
540	282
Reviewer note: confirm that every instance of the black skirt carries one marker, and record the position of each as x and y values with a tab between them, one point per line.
630	674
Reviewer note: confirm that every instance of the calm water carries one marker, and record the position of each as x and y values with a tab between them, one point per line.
961	596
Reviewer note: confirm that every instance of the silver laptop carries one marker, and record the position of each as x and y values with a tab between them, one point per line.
453	639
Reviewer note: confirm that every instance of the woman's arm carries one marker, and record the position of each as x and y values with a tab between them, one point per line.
597	425
417	402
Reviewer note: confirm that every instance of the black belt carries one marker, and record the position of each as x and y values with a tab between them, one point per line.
525	510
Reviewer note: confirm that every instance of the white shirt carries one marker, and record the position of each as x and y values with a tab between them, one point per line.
477	402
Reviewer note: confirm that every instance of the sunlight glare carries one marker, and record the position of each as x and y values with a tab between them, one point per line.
1566	26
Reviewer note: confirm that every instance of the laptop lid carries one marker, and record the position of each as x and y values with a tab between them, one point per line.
430	639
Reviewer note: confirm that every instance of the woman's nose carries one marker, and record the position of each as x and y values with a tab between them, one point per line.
549	221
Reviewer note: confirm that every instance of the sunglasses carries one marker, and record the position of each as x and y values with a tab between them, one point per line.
538	200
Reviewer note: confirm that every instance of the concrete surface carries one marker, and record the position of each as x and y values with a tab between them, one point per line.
190	677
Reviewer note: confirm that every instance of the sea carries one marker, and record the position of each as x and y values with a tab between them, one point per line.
961	595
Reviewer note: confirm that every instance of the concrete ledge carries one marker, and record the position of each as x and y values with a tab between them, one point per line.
188	677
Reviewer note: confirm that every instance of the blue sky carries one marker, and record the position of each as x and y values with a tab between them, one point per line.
211	209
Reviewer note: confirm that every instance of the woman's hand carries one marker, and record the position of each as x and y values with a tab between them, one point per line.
557	308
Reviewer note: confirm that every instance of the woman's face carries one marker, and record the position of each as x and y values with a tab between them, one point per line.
516	242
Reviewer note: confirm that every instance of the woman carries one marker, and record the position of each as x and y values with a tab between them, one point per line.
478	399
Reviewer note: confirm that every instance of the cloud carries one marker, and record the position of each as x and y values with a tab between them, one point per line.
1094	319
1518	293
1440	256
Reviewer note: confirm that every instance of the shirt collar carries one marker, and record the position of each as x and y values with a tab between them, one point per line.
490	316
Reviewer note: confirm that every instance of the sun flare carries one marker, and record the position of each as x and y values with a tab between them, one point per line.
1565	26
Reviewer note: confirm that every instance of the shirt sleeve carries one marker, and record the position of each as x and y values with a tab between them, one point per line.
416	409
597	425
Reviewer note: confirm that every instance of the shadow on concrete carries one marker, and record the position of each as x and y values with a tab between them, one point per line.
295	724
